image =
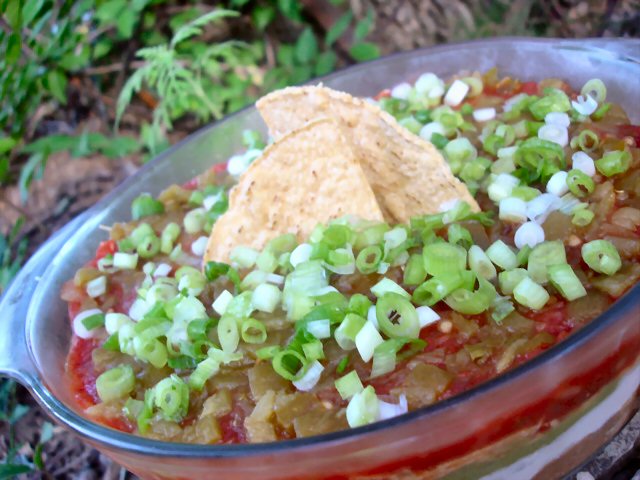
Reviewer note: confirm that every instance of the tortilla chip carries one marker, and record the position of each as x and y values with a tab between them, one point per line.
408	175
309	176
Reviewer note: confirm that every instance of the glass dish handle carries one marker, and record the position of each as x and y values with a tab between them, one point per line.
15	359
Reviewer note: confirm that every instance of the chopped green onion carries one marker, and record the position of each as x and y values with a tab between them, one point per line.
228	334
349	385
169	235
596	89
266	297
502	255
309	375
411	124
539	159
359	304
555	100
601	111
171	396
267	353
480	263
141	232
525	193
244	257
582	217
289	364
460	151
149	246
319	328
125	261
144	206
367	339
313	350
93	321
342	365
601	256
439	140
522	256
267	261
340	261
501	309
115	383
587	140
472	302
363	408
206	369
373	235
346	332
613	163
97	286
396	316
435	289
253	331
386	285
564	279
414	273
215	270
458	235
530	294
543	255
442	258
194	220
579	183
150	350
509	279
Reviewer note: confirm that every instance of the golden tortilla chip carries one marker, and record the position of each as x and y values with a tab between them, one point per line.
408	175
308	176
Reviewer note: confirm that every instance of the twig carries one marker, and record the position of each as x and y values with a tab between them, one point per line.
114	67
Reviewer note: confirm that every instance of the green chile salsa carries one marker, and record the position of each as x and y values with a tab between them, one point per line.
366	321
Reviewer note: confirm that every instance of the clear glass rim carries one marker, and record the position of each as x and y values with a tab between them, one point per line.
148	447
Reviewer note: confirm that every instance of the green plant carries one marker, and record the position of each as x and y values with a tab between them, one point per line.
12	252
11	411
192	77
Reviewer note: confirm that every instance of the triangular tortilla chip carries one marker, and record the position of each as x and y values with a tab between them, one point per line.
408	175
309	176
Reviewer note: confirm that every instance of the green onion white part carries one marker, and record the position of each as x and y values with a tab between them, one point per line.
113	322
78	326
540	207
320	329
456	93
583	162
513	210
484	114
366	340
97	286
429	85
501	186
560	119
554	133
162	270
310	377
125	261
390	410
557	184
401	91
529	233
584	104
199	246
430	128
426	316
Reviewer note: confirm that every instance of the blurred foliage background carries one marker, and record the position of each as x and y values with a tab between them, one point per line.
91	89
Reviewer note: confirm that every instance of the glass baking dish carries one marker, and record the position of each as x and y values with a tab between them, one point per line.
539	420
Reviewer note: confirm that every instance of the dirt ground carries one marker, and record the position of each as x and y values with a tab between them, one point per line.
71	185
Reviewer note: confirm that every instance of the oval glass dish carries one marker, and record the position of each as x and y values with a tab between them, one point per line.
539	420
